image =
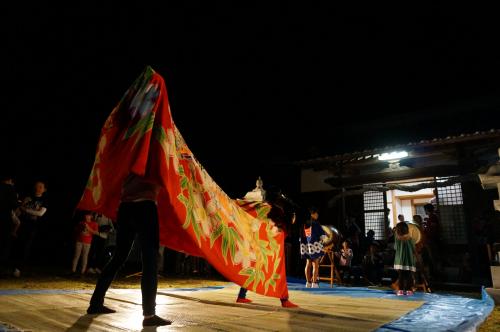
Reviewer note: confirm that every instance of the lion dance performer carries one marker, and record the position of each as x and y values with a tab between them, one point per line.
146	177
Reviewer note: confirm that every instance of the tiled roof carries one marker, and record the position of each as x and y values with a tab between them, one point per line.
373	153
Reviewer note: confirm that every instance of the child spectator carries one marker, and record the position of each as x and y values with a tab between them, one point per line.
311	247
86	229
404	261
345	257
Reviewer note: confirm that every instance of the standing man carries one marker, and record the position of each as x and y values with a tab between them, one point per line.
137	214
33	209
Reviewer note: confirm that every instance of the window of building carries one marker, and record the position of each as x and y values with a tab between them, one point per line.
374	213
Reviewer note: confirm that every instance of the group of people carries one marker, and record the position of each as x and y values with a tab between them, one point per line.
20	220
411	260
94	234
137	217
414	261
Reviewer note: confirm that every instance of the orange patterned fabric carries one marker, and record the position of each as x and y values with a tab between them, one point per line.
196	216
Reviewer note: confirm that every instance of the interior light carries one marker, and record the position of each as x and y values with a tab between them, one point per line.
396	155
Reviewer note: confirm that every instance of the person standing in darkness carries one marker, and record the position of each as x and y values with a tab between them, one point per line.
8	202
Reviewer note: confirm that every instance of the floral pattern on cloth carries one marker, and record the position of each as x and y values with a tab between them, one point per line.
195	215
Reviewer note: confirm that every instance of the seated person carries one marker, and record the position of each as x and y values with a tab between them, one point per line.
345	257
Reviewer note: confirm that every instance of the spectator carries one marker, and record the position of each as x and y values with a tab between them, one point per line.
432	236
97	255
431	224
110	245
417	219
422	255
373	264
8	202
33	208
433	200
353	235
86	229
345	257
370	237
404	261
367	241
311	247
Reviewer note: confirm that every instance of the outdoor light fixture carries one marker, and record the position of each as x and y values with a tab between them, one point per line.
393	156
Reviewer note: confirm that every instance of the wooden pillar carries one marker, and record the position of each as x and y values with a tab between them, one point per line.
386	214
343	206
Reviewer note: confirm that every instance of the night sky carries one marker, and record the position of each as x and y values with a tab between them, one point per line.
250	89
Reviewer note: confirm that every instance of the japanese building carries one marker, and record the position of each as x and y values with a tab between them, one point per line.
374	186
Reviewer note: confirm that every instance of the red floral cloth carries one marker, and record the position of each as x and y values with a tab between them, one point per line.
196	216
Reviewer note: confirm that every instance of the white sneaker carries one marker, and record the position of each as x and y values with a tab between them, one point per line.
315	285
91	270
308	285
97	270
16	273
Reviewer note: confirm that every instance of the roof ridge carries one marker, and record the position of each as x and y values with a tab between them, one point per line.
378	150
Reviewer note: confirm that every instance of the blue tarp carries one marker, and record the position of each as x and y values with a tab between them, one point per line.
440	312
444	313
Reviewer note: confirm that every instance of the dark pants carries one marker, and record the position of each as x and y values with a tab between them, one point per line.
6	240
96	256
346	272
24	242
139	218
405	280
243	294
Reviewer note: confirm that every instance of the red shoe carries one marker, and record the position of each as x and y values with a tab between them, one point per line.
243	300
288	304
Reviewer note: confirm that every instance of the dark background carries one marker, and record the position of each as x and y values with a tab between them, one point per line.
251	89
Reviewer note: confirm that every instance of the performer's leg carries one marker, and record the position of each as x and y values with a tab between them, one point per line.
146	217
243	293
285	302
308	270
124	241
76	257
401	282
409	281
242	296
315	264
